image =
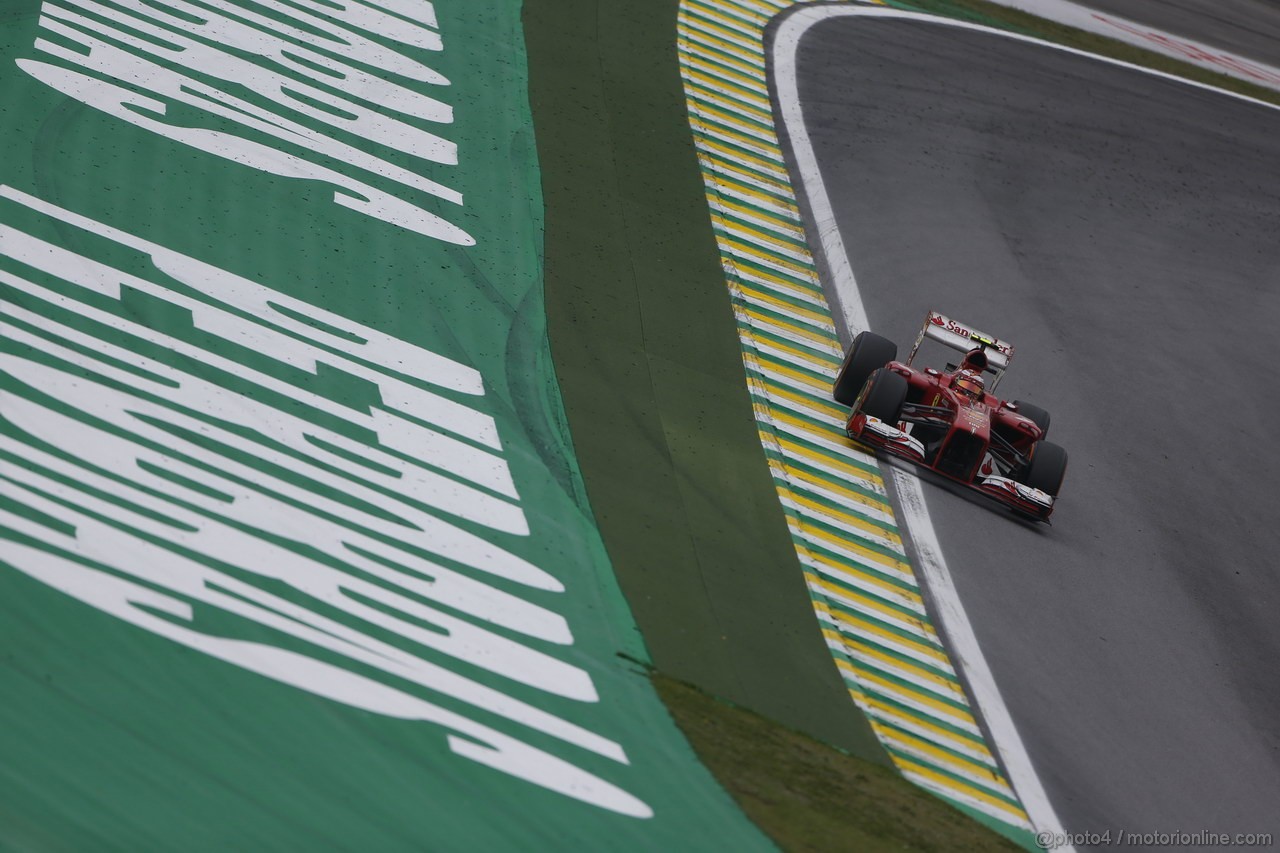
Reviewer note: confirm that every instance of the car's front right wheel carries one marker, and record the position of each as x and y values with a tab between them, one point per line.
869	352
883	396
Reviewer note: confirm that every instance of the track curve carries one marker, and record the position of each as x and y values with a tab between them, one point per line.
1248	27
1119	228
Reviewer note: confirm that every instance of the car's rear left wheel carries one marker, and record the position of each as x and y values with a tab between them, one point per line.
1037	415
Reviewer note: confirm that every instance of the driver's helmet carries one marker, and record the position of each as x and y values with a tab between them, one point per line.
969	383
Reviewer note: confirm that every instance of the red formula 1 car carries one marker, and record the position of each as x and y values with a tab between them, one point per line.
949	421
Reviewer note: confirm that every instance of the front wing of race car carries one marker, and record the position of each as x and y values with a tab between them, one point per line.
890	438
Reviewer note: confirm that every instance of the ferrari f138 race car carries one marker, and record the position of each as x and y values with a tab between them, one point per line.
950	420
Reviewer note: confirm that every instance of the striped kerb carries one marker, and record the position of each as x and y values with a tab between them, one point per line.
864	591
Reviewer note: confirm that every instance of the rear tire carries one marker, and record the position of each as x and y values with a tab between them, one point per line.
883	396
1036	414
1046	469
869	352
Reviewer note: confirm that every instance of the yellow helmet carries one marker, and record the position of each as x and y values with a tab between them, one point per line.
969	383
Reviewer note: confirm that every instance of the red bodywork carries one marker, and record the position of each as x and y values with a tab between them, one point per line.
979	443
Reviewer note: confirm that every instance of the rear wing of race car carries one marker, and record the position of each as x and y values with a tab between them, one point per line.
962	338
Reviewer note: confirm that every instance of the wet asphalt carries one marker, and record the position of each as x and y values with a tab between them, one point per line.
1123	231
1250	28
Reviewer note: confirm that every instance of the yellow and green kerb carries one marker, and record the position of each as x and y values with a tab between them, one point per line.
865	594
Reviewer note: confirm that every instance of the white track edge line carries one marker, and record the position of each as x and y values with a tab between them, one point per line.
916	524
915	520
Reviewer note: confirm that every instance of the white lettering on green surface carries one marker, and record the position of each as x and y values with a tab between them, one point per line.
164	497
134	60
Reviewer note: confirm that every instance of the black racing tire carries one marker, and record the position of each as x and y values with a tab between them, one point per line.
1035	413
1046	469
883	396
869	352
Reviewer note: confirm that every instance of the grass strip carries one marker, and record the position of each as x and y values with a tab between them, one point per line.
645	347
806	795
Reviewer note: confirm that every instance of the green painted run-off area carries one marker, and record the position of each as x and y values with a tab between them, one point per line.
295	547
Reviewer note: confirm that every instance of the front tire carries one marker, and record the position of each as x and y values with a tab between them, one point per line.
883	397
1046	469
868	353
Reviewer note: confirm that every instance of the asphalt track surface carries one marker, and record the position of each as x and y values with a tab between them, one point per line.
1250	28
1120	229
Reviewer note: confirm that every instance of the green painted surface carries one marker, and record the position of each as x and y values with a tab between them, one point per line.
645	347
190	510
